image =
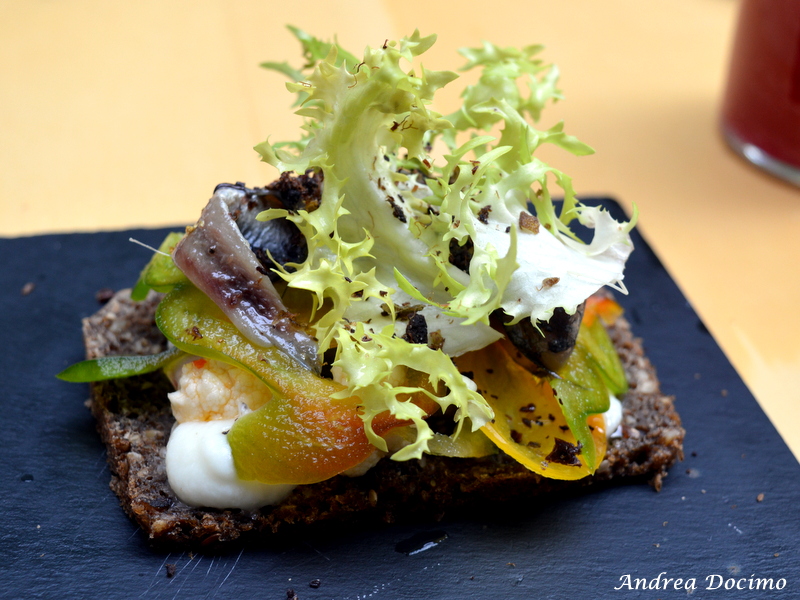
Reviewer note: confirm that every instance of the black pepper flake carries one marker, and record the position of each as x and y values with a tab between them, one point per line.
290	595
483	214
563	428
461	255
195	333
565	453
358	294
529	408
314	583
397	211
527	422
171	570
516	436
416	329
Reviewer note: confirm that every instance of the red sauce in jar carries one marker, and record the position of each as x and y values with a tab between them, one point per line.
762	101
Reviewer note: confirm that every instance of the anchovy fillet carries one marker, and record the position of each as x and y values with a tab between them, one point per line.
216	257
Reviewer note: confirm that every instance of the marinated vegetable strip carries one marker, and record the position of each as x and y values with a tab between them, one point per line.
116	367
600	349
529	424
581	388
160	274
581	392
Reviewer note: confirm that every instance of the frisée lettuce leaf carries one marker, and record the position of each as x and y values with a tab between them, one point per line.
392	212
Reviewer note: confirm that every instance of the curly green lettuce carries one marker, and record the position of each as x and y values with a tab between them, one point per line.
391	213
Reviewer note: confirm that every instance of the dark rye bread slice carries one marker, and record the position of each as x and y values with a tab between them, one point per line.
134	420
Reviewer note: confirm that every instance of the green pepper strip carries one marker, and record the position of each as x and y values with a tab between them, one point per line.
598	344
116	367
160	274
583	385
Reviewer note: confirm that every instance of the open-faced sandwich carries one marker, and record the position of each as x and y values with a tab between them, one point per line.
402	324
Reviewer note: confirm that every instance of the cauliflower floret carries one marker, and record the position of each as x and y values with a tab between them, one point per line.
210	390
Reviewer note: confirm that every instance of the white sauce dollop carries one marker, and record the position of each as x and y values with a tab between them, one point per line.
201	471
613	418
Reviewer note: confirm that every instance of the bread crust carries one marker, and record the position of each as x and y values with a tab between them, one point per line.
134	420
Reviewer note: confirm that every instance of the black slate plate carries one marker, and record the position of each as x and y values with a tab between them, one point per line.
63	535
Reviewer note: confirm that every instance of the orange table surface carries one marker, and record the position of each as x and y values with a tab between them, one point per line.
115	115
